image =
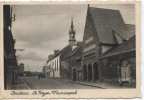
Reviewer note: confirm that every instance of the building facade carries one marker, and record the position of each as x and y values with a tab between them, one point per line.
106	54
64	62
21	69
104	31
59	64
10	61
74	60
53	67
119	64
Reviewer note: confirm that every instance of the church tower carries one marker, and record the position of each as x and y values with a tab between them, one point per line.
72	40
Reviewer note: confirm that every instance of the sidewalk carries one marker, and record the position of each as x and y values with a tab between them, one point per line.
101	85
20	84
98	84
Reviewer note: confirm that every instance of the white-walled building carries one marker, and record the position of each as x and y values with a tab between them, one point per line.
53	67
58	63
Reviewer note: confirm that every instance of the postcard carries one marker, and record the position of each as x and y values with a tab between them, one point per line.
70	50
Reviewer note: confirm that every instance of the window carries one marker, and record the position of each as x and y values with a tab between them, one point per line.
105	48
88	40
89	47
89	54
53	65
57	64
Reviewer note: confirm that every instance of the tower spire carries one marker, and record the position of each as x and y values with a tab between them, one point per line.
72	26
72	40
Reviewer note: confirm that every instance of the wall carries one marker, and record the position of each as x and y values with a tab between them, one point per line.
111	67
54	67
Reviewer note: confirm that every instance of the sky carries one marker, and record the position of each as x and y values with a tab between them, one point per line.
41	29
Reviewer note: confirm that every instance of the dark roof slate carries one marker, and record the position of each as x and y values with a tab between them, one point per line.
77	49
67	50
131	29
106	21
126	46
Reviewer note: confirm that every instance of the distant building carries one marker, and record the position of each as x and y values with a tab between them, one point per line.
105	30
45	71
53	67
21	69
74	59
72	40
58	66
50	57
66	67
10	61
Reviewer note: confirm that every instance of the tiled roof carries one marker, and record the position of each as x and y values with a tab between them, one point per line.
67	50
77	49
126	46
105	22
131	29
74	51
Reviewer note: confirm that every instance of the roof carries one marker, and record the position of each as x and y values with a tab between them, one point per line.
131	29
105	22
78	49
126	46
67	50
63	53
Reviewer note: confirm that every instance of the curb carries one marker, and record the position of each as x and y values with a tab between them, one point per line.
90	85
23	84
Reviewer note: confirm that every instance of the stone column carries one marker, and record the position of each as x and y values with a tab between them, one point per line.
93	73
82	72
87	72
99	66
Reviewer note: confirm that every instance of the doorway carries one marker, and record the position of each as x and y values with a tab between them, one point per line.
95	72
89	72
125	71
84	72
74	75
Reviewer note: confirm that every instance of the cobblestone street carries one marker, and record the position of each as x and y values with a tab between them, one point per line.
35	83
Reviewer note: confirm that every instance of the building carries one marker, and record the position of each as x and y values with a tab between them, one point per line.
74	60
67	55
10	61
54	67
46	71
21	69
119	64
59	66
104	30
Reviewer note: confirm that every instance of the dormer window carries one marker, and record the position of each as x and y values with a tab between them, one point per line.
90	47
89	40
118	39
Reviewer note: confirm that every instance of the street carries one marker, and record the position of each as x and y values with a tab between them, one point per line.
35	83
